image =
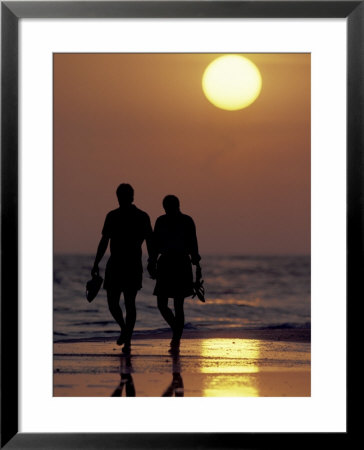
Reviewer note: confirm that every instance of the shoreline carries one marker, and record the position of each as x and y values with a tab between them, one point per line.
271	334
232	363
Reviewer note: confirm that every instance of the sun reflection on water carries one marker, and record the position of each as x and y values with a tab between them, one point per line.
230	365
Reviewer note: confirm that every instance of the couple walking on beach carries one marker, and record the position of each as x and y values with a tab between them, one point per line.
172	249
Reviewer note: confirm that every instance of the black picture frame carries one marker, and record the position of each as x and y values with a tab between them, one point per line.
11	12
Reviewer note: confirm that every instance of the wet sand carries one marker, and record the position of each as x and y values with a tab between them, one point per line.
232	363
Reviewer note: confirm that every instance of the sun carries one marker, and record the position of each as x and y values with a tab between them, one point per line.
232	82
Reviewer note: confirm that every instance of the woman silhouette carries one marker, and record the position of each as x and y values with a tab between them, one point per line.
175	246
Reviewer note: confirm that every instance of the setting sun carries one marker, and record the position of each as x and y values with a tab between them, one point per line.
231	82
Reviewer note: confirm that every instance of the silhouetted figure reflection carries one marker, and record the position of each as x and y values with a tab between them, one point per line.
126	228
175	248
176	387
125	379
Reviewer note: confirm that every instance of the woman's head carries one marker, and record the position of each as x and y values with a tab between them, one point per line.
171	204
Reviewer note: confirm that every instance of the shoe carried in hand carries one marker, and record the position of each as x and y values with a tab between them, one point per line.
93	286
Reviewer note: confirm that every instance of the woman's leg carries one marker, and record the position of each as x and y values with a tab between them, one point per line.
166	312
179	318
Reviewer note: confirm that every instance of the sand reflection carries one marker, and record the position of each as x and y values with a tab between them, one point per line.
126	379
176	388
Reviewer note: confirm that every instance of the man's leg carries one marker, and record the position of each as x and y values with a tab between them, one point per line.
130	314
166	312
179	318
113	300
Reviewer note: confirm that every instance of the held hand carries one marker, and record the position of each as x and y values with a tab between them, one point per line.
152	270
95	270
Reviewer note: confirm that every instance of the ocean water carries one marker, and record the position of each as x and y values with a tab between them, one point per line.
241	291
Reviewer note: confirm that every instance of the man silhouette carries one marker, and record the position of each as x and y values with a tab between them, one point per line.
126	228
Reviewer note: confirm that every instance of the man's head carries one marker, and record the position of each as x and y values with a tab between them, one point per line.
125	194
171	204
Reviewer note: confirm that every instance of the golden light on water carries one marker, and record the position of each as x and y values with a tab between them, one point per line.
228	386
239	355
232	82
232	360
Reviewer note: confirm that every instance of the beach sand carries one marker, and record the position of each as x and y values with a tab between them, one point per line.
232	363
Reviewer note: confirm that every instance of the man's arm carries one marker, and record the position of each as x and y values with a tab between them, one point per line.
149	239
101	249
152	251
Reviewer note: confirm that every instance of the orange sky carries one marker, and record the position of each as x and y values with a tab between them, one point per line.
244	176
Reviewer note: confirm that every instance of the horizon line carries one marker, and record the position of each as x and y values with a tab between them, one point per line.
202	254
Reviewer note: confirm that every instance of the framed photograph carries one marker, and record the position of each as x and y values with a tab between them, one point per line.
181	217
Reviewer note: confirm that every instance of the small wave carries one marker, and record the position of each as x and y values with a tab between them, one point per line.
289	325
99	322
152	332
61	309
189	326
